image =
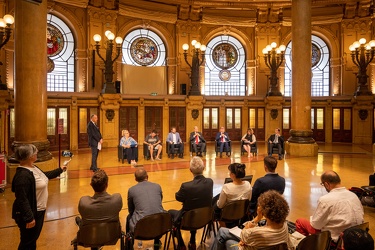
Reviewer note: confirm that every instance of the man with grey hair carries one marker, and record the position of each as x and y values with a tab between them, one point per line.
145	198
193	194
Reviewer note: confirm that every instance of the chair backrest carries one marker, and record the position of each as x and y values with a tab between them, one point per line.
196	218
234	210
248	178
281	246
319	241
153	226
364	226
99	234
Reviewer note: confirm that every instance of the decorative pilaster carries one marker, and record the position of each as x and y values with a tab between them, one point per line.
362	119
109	122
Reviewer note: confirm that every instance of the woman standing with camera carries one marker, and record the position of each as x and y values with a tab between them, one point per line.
30	185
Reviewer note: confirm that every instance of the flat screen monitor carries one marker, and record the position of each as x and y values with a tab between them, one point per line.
248	178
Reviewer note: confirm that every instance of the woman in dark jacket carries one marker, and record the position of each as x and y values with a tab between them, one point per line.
30	185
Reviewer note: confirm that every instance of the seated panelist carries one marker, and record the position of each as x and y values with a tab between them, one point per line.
174	141
197	142
153	144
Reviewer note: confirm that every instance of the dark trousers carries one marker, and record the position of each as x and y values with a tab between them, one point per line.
131	154
94	157
29	236
176	217
180	147
224	145
274	145
201	145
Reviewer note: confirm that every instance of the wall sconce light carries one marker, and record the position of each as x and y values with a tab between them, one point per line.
274	57
5	32
362	54
109	86
195	64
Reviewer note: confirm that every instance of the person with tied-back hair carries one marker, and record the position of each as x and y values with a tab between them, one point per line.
30	186
248	140
336	211
274	208
232	191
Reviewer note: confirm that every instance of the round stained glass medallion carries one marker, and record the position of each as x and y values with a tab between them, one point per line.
315	55
224	75
50	65
55	40
224	55
144	51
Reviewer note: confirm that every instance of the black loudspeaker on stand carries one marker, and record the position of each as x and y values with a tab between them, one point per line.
118	86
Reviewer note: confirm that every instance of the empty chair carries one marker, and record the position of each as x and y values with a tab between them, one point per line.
319	241
99	234
196	219
152	227
281	246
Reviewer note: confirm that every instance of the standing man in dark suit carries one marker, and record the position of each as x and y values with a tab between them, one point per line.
222	139
197	140
276	140
95	138
101	207
193	194
145	198
271	181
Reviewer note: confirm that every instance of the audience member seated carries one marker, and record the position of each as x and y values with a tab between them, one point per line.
130	146
101	207
276	140
222	139
145	198
232	191
174	141
154	144
357	239
193	194
274	208
271	181
249	141
336	211
198	143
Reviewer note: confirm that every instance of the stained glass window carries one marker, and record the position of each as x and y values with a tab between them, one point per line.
225	67
142	47
320	68
60	55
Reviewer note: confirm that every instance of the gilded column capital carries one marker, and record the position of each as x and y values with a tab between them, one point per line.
109	101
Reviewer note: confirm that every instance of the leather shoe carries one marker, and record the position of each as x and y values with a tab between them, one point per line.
192	246
94	169
221	155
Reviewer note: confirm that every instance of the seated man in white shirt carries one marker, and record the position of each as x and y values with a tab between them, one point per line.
336	211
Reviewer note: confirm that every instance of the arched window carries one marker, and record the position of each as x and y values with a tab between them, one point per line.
320	68
60	55
225	67
142	47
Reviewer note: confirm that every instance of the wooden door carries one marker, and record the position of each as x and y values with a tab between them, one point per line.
177	118
233	123
342	125
154	120
256	122
53	136
129	120
317	124
210	123
84	115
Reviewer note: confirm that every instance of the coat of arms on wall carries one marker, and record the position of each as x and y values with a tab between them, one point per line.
363	113
195	113
110	114
274	113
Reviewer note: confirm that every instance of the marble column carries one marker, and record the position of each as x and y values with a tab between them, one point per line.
30	94
301	142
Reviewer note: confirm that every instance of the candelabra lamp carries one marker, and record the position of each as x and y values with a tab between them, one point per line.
195	64
109	86
5	32
274	57
362	54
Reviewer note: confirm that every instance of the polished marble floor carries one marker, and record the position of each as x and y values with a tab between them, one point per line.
352	162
